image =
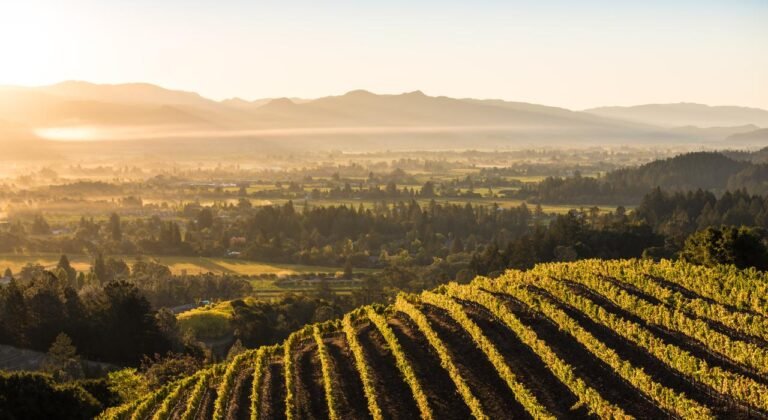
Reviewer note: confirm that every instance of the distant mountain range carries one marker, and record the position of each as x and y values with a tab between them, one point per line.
86	111
751	137
686	114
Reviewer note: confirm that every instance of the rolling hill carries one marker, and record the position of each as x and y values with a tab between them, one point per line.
749	137
128	93
688	171
358	120
686	114
59	106
606	339
716	172
140	111
82	102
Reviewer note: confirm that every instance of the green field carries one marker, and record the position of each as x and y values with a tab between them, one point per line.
192	265
207	322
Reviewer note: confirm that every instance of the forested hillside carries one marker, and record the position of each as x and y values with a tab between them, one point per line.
710	171
607	339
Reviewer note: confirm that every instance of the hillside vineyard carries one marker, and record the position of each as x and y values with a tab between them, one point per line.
592	339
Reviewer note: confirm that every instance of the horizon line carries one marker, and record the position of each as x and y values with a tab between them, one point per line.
361	90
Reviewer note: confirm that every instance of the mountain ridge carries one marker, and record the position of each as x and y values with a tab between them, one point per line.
686	114
161	112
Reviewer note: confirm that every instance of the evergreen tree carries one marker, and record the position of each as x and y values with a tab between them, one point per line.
13	314
100	269
62	361
324	290
114	227
348	269
80	280
40	225
740	246
427	190
67	267
205	219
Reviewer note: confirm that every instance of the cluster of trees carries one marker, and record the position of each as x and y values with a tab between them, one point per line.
154	280
316	235
696	226
164	289
569	237
741	246
702	170
261	322
369	237
29	395
112	323
695	210
678	215
389	191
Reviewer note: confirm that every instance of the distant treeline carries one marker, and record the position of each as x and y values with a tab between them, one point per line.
322	235
660	226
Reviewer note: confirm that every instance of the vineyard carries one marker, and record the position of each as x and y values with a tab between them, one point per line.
592	339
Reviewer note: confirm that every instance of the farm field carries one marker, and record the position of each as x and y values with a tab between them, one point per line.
62	215
192	265
606	339
502	202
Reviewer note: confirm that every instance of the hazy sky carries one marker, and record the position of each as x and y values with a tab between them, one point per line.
575	54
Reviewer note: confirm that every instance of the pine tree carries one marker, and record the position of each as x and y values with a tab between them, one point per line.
114	227
13	313
67	267
348	269
100	269
63	362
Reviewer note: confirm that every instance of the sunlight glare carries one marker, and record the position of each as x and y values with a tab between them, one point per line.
78	133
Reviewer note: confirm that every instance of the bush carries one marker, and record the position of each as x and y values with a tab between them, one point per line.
26	395
99	388
740	246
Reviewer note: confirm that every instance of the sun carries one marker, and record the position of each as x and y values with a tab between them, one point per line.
33	41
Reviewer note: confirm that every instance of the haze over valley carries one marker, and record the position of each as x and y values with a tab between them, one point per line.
356	121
